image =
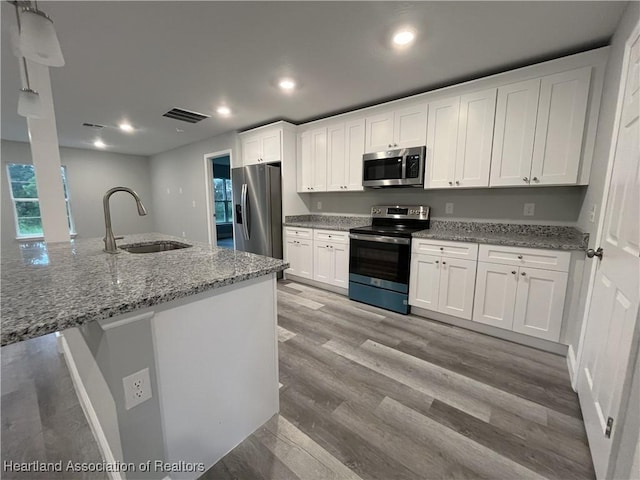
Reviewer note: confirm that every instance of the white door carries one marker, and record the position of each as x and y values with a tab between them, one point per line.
495	294
559	129
251	150
515	127
605	361
379	132
341	265
540	303
354	137
319	159
305	258
410	126
336	161
457	283
322	262
272	146
442	138
305	163
424	281
475	137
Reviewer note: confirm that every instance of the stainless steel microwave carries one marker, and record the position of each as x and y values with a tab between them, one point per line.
394	168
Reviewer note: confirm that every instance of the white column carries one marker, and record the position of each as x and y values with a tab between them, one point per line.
45	153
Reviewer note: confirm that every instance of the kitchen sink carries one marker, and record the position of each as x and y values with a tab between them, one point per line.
152	247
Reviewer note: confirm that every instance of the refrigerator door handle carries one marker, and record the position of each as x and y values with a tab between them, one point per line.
243	200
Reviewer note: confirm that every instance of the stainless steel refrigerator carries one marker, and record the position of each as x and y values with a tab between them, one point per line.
257	201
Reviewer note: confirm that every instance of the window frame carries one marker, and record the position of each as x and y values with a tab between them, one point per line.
39	236
224	202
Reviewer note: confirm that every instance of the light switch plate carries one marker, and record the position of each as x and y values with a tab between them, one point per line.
448	208
529	209
319	204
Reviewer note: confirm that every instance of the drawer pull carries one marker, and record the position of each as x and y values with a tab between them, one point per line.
437	261
441	248
523	274
519	257
513	271
444	263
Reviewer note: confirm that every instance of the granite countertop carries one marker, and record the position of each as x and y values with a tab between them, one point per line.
341	223
516	235
47	288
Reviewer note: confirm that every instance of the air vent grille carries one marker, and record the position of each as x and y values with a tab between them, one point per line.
185	115
92	125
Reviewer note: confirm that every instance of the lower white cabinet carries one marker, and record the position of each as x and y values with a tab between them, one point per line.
442	284
520	298
299	251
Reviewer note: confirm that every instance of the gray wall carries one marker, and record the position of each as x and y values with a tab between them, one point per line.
553	204
596	186
90	173
183	168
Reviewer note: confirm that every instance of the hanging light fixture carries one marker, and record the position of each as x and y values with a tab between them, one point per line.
29	103
38	39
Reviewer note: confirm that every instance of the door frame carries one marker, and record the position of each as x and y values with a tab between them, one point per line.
633	354
208	189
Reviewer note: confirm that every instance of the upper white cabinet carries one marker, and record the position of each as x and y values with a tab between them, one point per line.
344	156
399	128
539	129
459	136
261	146
312	161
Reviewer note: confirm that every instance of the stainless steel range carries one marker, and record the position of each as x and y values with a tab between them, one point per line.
380	256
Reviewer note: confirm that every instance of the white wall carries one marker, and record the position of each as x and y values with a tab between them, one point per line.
553	204
90	174
601	154
183	168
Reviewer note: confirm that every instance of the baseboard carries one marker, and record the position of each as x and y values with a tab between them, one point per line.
315	283
87	408
540	344
571	366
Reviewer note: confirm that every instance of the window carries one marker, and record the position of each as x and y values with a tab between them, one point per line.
26	205
223	200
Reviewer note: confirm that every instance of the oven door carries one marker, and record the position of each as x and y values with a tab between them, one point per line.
380	261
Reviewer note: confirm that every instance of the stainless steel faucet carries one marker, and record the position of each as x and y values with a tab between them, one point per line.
109	240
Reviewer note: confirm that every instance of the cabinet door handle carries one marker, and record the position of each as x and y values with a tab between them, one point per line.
441	249
519	257
523	274
513	271
535	179
457	182
437	261
444	263
525	179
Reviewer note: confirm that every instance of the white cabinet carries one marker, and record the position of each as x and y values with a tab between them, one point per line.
459	138
312	161
442	283
331	257
539	128
400	128
514	296
261	146
345	147
299	251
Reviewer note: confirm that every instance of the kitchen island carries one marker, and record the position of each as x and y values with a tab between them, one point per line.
197	325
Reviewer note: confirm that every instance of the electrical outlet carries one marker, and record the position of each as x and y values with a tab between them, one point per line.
168	191
592	212
184	235
180	190
529	209
137	388
319	205
448	208
193	203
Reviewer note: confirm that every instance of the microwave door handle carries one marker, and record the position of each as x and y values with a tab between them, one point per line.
404	167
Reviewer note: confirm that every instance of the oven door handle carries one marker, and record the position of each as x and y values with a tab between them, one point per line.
380	239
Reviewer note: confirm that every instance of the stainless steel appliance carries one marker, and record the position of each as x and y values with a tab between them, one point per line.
380	256
257	200
394	168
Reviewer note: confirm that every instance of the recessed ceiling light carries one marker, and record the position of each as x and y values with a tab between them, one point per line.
403	38
224	111
126	127
99	144
287	84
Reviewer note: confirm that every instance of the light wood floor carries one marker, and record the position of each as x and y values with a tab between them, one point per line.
365	393
371	394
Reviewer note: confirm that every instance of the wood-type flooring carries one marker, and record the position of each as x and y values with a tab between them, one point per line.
370	394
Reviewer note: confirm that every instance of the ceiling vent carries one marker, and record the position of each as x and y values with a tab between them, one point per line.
185	115
93	125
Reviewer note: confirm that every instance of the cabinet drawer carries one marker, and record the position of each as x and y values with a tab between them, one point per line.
528	257
298	232
445	248
331	236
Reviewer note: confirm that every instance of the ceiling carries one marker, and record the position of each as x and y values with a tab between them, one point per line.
136	60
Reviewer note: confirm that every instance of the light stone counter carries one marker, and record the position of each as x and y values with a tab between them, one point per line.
48	288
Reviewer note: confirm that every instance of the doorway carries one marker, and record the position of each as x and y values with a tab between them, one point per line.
219	199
